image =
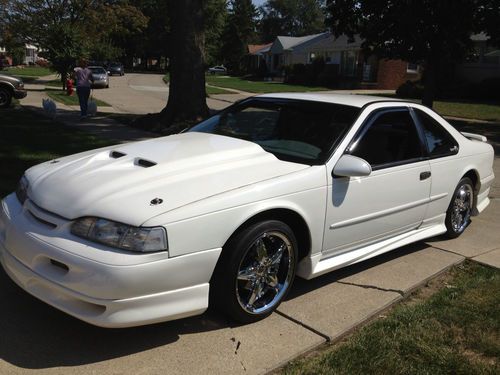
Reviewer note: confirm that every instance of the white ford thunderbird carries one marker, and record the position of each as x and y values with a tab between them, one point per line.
232	210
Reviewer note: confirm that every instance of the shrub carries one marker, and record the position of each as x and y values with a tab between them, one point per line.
410	90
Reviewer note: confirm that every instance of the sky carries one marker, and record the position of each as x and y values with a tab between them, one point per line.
258	2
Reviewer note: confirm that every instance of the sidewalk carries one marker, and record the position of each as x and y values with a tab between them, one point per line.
99	125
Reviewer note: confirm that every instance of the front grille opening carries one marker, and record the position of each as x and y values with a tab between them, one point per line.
60	265
116	154
41	221
145	163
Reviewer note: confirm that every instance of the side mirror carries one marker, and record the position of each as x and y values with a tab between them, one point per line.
351	166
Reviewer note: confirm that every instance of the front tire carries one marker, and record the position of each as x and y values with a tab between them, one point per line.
255	272
458	215
5	97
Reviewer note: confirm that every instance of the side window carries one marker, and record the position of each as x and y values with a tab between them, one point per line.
439	141
391	138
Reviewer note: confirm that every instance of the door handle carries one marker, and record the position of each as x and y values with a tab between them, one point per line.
425	175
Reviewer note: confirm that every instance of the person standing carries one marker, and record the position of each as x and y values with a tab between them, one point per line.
84	80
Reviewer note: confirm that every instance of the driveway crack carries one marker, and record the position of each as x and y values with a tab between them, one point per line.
400	292
306	326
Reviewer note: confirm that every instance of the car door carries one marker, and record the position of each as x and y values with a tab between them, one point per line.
389	201
446	172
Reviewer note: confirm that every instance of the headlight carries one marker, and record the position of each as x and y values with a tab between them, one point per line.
121	236
22	189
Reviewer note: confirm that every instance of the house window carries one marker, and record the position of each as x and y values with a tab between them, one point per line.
412	68
349	60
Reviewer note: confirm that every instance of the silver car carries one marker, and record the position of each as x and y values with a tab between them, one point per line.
100	75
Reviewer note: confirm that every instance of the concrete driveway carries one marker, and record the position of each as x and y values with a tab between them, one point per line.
140	93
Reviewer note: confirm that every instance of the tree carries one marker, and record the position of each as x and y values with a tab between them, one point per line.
291	17
187	98
69	29
431	33
240	30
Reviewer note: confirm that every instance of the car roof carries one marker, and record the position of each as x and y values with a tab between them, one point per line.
353	100
95	66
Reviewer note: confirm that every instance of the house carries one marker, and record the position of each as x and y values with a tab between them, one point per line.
289	50
345	57
484	63
355	69
30	55
257	56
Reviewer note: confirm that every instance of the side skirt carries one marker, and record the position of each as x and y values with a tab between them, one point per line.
315	266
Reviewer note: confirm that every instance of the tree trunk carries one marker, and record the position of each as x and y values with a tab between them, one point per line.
429	80
186	100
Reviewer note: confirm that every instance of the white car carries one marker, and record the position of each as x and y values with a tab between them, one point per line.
217	69
231	211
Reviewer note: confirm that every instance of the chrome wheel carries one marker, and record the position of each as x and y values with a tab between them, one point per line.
265	272
461	208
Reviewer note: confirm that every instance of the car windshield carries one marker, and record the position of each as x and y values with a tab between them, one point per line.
294	130
98	70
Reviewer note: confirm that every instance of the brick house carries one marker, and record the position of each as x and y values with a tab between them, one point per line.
346	57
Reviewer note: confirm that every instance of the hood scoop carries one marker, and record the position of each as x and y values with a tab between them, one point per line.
145	163
116	154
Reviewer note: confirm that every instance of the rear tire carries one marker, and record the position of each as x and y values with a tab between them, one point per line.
458	215
5	97
255	271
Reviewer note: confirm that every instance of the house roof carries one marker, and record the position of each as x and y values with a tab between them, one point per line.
289	42
254	49
341	43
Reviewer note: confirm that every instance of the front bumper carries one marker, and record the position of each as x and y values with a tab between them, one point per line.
100	83
133	291
20	93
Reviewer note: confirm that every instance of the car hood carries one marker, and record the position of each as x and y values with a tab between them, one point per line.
127	182
13	80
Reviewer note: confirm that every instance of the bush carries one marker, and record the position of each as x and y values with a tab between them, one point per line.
410	90
329	77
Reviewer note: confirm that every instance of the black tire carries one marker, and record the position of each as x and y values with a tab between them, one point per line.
458	215
5	97
244	274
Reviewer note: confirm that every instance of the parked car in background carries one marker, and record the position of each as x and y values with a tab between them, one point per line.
100	75
10	87
116	68
230	211
219	69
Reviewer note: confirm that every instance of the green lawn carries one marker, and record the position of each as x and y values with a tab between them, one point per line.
27	139
29	71
54	83
61	97
257	86
479	111
216	91
454	331
209	90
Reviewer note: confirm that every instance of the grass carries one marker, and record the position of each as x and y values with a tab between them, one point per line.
29	71
479	111
210	90
216	91
27	139
257	86
122	118
454	331
54	83
61	97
